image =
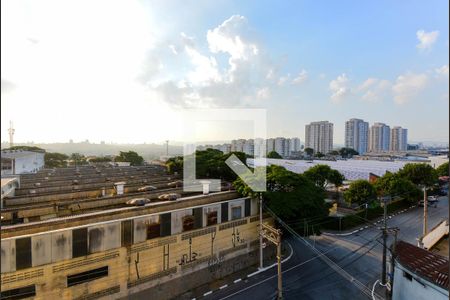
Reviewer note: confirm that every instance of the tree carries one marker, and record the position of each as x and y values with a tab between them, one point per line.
78	159
289	195
347	152
321	175
334	152
309	151
132	157
100	159
175	164
443	169
319	155
419	174
26	148
360	191
396	186
55	160
274	154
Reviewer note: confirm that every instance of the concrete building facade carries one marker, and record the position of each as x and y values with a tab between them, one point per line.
319	136
379	137
357	135
399	139
21	162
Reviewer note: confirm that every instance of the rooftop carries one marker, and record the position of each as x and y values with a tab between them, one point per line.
429	266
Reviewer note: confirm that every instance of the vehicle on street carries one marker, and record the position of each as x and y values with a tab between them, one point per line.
138	201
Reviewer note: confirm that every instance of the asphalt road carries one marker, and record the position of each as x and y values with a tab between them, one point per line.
305	276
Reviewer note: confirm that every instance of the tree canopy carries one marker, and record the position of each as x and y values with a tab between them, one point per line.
396	186
78	159
321	175
347	152
26	148
209	163
443	169
309	151
289	195
55	160
273	154
360	191
132	157
419	174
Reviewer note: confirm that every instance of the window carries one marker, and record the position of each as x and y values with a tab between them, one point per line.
19	293
23	253
247	207
127	233
211	218
153	230
79	242
166	224
236	212
224	211
87	276
188	223
407	276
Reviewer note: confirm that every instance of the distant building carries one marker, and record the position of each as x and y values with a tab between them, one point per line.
412	147
248	147
419	274
16	162
399	139
270	144
280	146
225	148
294	145
237	145
260	147
319	136
379	137
357	135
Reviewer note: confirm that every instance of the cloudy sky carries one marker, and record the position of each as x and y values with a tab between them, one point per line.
125	71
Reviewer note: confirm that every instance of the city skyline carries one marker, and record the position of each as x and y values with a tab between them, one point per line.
298	68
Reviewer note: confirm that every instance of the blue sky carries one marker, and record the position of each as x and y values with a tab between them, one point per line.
303	61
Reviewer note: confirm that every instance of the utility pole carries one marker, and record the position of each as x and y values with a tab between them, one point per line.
393	256
273	235
261	258
167	148
425	211
11	131
383	272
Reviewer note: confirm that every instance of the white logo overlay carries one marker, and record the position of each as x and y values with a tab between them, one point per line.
256	180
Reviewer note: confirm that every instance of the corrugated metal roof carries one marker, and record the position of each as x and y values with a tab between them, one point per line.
428	265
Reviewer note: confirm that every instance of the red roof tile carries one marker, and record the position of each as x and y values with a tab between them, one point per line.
428	265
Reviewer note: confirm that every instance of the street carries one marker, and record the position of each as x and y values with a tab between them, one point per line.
306	276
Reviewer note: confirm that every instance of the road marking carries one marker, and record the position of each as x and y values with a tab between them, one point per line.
223	286
237	280
207	293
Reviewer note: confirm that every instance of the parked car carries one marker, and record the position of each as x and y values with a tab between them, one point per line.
170	196
147	188
138	201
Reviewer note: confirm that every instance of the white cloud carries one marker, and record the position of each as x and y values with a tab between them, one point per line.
339	88
408	86
263	93
302	76
283	79
442	71
426	39
373	89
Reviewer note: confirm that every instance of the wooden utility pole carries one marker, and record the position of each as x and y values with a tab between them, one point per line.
393	256
383	272
274	235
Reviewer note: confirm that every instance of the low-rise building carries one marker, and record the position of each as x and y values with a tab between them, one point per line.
21	162
419	274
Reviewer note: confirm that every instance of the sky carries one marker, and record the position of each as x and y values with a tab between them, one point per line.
127	71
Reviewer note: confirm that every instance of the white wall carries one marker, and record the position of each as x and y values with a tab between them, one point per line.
417	288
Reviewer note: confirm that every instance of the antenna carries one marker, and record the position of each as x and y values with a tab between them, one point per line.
11	131
167	147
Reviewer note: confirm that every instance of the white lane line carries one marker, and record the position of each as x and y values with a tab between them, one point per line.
223	286
237	280
207	293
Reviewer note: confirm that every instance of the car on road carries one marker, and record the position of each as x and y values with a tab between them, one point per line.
147	188
431	201
138	201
